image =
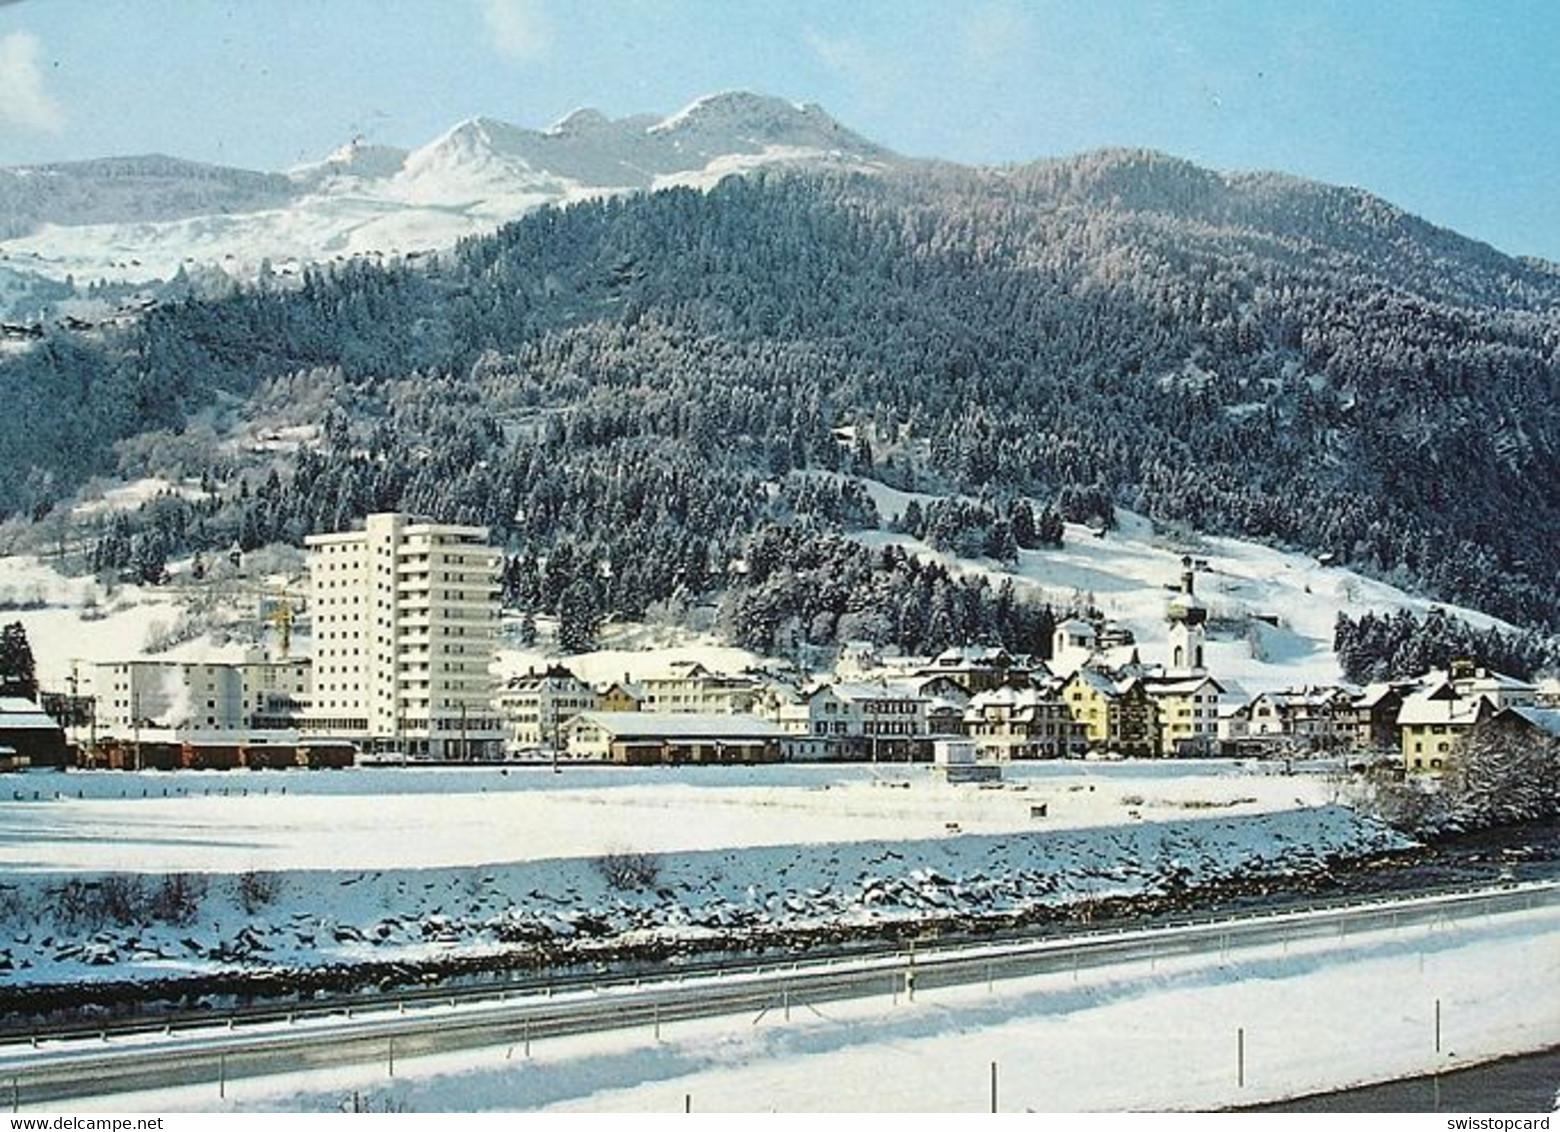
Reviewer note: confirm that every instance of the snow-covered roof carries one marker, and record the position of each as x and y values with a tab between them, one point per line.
1181	687
1075	627
681	670
1484	680
535	680
679	725
971	654
1010	697
627	687
860	690
1096	680
1373	695
17	714
1420	710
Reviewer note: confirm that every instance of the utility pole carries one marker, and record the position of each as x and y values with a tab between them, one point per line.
75	704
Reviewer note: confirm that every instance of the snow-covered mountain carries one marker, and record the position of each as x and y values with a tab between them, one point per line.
139	219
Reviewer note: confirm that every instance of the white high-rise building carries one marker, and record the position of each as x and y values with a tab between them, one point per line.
405	613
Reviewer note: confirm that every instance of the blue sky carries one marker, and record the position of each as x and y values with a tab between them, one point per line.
1449	109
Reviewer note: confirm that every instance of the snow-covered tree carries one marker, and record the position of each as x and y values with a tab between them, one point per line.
18	670
1501	773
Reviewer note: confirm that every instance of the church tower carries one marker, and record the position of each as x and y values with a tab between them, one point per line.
1187	617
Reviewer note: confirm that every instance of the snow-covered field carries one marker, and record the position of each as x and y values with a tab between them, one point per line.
193	821
381	865
1144	1036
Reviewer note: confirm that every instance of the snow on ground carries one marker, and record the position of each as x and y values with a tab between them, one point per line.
158	822
1150	1035
428	871
76	622
1124	573
101	499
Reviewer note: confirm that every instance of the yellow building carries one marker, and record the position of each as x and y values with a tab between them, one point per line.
621	695
1113	716
1431	722
1188	713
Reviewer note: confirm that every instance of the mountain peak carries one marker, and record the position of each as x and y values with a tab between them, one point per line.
355	159
585	120
757	120
735	105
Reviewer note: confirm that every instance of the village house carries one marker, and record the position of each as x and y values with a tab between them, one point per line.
946	700
1544	721
1501	690
1073	643
1076	644
1433	719
1188	713
978	668
1020	723
620	695
688	686
1294	720
1376	716
1115	716
537	705
860	720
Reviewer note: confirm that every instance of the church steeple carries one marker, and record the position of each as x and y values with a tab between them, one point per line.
1187	616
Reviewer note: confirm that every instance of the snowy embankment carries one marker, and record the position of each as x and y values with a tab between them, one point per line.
229	884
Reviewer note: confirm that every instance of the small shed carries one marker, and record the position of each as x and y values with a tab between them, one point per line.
958	761
32	733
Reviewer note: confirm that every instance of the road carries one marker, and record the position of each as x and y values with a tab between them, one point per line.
389	1027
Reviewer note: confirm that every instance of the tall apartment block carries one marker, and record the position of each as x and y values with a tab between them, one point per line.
405	613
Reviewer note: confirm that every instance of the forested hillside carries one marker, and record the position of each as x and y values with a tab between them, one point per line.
650	381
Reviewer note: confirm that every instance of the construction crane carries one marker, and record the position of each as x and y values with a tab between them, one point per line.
279	605
281	615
